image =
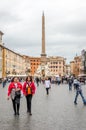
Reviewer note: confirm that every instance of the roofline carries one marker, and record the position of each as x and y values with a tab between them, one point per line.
10	50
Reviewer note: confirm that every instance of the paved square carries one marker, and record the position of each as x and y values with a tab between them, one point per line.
53	112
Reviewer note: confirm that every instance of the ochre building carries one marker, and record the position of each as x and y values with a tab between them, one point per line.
75	66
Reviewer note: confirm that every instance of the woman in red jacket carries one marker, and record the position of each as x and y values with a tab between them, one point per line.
28	90
14	91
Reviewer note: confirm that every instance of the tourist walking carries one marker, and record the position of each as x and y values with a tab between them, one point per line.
4	80
47	85
14	91
37	81
29	90
75	82
70	82
58	80
79	92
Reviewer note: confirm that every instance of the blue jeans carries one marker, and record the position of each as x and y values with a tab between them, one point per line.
3	84
81	94
70	86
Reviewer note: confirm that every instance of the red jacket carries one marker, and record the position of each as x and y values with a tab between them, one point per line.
12	85
32	85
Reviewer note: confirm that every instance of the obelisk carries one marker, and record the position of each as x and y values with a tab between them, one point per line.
43	54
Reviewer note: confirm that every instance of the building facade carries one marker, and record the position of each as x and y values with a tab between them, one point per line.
1	61
83	57
72	67
67	71
34	64
11	63
57	65
76	66
27	65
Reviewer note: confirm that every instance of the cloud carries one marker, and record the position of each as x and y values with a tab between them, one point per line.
65	23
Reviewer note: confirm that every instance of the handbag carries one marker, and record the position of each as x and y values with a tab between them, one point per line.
13	94
17	96
18	93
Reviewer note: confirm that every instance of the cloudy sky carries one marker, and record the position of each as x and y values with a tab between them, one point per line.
65	22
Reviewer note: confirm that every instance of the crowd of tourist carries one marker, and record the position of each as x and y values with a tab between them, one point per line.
27	86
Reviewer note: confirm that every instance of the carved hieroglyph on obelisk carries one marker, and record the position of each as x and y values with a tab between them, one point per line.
43	54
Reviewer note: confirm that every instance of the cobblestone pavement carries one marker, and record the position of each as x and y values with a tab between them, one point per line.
53	112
